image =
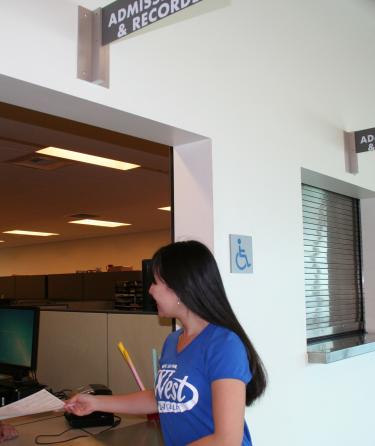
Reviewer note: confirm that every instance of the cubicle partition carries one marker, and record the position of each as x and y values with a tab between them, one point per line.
77	348
140	334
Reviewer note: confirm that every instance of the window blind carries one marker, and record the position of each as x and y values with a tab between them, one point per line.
332	257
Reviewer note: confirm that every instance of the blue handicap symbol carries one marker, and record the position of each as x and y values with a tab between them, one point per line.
241	257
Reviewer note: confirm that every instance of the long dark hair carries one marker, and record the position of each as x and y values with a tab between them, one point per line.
190	270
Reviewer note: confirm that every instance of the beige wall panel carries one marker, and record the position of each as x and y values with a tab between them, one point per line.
72	349
139	333
73	255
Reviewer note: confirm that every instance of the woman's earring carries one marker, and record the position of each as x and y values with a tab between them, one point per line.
178	301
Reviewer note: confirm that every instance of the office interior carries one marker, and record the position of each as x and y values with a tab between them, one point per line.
254	98
87	280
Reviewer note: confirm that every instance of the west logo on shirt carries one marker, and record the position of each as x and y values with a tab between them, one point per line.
175	395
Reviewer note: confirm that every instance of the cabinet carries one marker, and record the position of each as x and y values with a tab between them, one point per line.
23	288
65	287
87	286
30	288
7	287
102	286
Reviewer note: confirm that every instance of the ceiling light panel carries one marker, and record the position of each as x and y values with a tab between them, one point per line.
32	233
89	159
107	224
165	208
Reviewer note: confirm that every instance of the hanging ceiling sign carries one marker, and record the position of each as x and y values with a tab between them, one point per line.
123	17
365	140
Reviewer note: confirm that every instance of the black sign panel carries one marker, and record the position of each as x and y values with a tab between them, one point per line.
365	140
123	17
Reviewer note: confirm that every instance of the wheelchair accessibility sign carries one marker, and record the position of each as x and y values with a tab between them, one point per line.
241	254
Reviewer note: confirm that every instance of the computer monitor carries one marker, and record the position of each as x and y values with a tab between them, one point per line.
19	328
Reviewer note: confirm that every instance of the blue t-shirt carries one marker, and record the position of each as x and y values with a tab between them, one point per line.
183	385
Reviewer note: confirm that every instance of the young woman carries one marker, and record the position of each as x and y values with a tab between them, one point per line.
7	432
208	369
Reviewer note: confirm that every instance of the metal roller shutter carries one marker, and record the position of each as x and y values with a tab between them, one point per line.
332	255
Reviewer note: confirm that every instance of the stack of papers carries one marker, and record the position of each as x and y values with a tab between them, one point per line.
39	402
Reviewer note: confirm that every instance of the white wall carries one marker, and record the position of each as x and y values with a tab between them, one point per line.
83	254
192	187
272	84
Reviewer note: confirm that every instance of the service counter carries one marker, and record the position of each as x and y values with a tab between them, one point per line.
129	432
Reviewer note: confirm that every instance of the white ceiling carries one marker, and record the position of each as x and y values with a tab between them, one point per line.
44	200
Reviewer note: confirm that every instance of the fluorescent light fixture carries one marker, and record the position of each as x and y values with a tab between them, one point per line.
38	234
165	208
84	158
108	224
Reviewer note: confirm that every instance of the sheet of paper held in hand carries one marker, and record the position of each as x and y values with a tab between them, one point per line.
39	402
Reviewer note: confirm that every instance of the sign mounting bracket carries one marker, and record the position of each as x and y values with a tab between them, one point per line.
93	57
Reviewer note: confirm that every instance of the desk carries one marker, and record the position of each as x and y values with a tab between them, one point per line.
139	434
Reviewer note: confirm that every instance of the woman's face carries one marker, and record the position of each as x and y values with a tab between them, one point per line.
166	299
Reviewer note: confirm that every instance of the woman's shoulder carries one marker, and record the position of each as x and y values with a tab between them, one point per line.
226	355
223	338
223	333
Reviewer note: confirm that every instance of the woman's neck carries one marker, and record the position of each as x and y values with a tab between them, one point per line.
192	325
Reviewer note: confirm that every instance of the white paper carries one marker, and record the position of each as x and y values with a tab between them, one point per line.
42	401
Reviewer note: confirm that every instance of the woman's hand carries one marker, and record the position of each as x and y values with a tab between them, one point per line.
81	404
7	432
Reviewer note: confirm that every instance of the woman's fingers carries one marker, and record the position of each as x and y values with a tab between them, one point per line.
7	432
80	405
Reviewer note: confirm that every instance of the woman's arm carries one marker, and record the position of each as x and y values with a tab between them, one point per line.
138	403
228	406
